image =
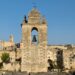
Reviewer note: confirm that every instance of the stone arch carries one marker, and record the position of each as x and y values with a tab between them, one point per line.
50	64
34	28
34	35
59	56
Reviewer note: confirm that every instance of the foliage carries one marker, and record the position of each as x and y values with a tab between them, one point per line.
5	57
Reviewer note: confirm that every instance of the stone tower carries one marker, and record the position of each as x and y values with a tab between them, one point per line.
35	46
11	39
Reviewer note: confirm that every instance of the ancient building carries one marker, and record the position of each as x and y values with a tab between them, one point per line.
33	52
35	46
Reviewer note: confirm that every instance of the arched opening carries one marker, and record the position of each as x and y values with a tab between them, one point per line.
34	35
50	65
60	60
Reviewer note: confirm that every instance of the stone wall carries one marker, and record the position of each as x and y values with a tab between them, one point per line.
39	73
49	73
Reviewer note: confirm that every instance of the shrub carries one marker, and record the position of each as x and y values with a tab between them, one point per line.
5	57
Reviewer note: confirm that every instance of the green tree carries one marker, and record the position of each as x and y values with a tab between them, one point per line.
5	57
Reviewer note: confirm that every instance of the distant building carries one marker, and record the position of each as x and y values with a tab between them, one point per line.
33	52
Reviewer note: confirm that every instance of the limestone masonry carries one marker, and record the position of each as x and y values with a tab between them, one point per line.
33	52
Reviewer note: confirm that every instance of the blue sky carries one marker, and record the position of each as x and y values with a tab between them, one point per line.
60	15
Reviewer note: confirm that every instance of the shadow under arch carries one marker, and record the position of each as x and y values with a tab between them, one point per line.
34	28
